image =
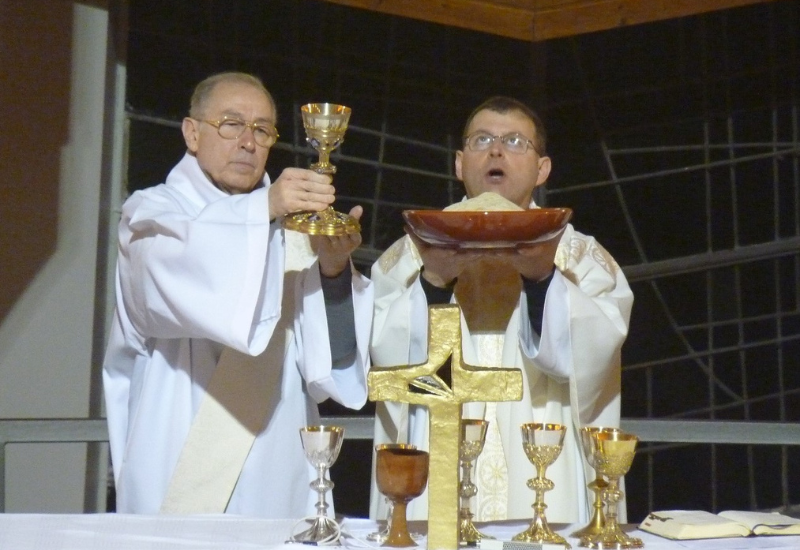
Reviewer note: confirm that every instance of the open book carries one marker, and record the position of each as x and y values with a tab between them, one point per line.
698	524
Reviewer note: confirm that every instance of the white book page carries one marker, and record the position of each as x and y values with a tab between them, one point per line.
690	517
692	524
754	519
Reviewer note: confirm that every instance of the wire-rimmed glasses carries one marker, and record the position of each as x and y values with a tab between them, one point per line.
264	135
513	143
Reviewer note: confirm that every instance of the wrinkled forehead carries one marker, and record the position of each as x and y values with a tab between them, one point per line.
497	123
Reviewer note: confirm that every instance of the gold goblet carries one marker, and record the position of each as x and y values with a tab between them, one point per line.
321	445
473	437
542	444
401	474
598	521
325	125
613	454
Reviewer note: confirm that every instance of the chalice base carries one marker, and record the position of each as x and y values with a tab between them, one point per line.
468	533
611	537
326	222
323	529
399	539
597	524
540	532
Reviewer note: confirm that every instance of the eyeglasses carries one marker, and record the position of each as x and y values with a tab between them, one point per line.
264	135
514	143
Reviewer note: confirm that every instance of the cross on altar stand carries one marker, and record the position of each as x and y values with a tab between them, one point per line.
421	385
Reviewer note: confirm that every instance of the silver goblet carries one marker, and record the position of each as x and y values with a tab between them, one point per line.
321	445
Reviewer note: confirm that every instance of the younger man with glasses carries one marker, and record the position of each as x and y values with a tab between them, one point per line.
228	329
557	310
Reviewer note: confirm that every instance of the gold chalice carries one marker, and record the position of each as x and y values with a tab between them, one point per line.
325	125
542	444
401	474
598	521
321	445
473	437
613	454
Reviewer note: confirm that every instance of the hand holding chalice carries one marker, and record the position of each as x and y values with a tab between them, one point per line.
325	125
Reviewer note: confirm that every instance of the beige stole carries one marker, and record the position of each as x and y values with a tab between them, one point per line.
242	393
488	292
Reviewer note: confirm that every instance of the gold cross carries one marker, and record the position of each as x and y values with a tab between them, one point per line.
469	384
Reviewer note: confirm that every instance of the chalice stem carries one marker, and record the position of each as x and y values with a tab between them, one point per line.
597	487
324	166
612	496
399	535
612	535
322	505
467	532
598	521
464	492
541	487
539	530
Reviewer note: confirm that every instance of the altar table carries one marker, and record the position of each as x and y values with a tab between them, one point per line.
226	532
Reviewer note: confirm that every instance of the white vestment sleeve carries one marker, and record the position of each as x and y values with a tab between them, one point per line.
179	268
586	315
346	385
400	330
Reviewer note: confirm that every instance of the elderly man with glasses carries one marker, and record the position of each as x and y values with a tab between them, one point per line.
558	310
229	329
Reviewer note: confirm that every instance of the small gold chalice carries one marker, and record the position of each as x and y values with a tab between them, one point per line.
473	437
613	454
325	125
542	444
598	521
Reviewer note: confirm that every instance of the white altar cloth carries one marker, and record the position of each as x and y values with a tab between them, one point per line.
226	532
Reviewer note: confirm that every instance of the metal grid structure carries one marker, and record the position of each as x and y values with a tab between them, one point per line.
728	313
675	143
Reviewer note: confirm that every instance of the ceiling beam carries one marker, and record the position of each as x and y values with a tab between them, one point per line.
536	20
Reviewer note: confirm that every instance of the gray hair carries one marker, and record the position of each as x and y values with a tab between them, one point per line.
204	89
